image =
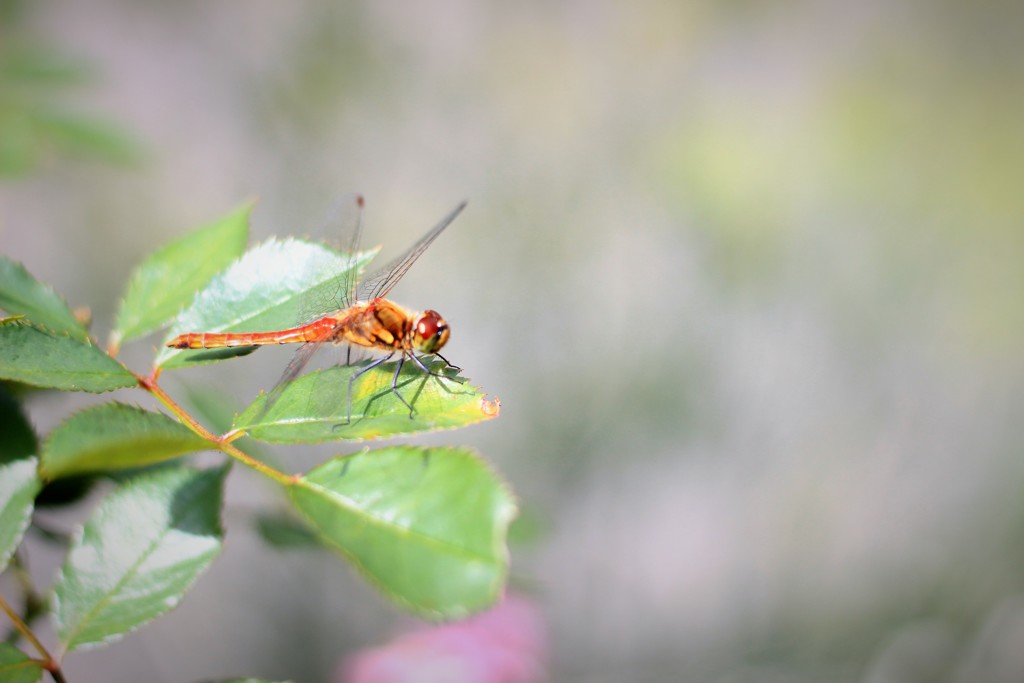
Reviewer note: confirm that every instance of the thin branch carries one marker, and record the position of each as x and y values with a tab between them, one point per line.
24	629
221	443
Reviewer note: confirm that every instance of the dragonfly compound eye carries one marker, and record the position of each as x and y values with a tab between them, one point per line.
430	332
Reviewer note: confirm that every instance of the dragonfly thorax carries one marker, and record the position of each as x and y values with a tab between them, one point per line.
429	332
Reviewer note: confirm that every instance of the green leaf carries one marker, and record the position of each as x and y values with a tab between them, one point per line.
426	525
138	553
20	293
19	439
168	280
30	133
285	531
17	667
269	288
314	408
18	144
44	359
30	65
85	136
18	487
115	436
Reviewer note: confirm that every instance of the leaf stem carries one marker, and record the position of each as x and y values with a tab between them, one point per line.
24	629
58	675
34	603
150	385
222	443
255	464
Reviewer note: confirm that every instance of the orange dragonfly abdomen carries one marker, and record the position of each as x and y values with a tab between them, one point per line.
379	324
316	331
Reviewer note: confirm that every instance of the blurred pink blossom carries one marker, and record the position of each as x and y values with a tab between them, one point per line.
503	645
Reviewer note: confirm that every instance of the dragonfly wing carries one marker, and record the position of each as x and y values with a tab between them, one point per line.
342	227
353	224
380	282
294	368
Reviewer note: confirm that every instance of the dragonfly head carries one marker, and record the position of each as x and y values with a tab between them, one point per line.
429	332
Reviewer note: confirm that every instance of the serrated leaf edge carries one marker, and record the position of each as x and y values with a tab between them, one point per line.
26	519
49	289
67	642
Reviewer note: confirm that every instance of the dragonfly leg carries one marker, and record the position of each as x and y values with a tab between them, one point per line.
394	385
454	367
357	375
425	369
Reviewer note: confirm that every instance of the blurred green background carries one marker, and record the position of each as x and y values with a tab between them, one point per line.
745	275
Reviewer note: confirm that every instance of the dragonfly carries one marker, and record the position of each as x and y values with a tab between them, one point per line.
362	317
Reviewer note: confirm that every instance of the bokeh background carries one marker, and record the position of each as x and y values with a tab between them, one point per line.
747	277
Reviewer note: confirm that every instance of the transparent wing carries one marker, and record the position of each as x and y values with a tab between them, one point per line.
354	209
380	282
343	224
294	368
